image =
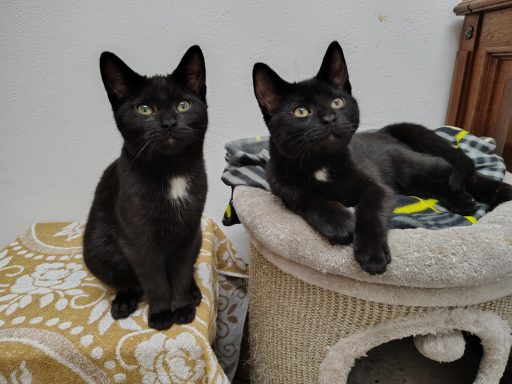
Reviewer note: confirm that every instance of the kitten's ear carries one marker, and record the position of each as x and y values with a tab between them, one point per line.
334	68
268	87
191	71
117	77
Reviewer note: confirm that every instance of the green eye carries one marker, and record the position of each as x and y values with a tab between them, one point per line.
301	112
183	106
337	103
144	109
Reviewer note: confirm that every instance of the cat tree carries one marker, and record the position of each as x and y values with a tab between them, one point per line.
314	312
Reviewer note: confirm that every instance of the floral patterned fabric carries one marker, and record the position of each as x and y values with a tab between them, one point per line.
55	322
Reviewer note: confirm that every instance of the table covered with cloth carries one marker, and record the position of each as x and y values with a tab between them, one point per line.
55	322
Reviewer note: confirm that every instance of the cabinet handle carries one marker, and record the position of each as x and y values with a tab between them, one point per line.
468	34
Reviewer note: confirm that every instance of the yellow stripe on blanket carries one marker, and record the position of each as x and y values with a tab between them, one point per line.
228	211
471	219
459	137
420	206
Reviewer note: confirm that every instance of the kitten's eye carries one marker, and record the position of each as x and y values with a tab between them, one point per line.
183	106
144	109
337	103
301	112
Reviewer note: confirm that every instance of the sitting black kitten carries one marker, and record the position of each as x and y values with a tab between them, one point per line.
143	234
318	166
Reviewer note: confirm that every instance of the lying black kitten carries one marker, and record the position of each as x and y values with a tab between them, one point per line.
143	234
318	166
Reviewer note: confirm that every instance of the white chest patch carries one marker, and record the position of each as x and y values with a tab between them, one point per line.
322	175
178	188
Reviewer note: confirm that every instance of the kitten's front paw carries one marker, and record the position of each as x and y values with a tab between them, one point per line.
185	315
373	257
339	232
161	320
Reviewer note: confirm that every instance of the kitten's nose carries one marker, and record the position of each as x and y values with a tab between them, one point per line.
328	118
168	123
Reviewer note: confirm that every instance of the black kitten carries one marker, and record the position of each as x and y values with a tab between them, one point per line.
143	234
318	166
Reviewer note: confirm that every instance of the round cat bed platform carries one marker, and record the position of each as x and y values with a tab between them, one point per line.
314	312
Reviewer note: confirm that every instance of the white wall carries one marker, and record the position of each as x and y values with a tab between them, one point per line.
57	132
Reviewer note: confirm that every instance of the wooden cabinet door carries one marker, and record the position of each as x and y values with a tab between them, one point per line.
481	100
494	57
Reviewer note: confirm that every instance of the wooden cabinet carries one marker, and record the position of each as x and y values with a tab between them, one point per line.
481	93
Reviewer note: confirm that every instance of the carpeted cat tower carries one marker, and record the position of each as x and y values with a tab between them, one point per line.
315	313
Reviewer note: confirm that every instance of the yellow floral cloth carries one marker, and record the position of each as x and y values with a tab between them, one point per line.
56	327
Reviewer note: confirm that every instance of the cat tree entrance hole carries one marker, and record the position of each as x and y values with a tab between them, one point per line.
398	362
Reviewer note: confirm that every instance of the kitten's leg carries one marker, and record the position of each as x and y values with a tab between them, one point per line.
106	260
125	303
431	181
460	202
330	218
186	295
373	215
149	265
422	139
488	190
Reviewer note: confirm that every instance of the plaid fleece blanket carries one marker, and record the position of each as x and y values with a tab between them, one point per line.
246	160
